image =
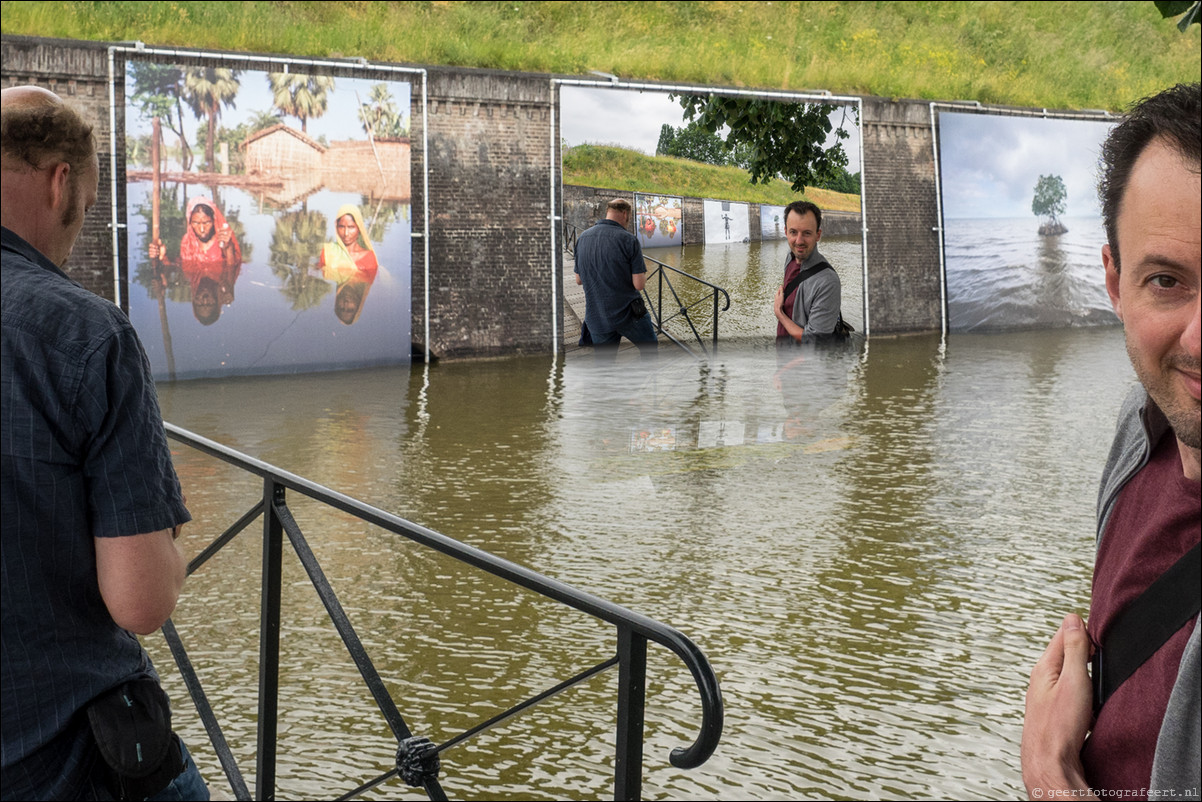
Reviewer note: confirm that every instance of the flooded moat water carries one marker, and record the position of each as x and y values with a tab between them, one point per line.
872	546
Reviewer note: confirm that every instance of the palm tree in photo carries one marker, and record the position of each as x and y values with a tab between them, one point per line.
300	96
380	116
206	90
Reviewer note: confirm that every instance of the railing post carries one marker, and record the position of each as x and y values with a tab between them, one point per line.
715	320
632	694
269	642
660	300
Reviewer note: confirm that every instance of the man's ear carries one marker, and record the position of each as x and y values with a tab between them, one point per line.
60	184
1112	280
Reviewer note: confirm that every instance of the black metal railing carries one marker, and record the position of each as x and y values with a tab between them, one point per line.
659	280
678	309
418	758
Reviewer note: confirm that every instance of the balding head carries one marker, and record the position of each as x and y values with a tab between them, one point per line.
618	210
48	157
37	127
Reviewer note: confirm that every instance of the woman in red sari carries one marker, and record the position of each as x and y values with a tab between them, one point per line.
210	258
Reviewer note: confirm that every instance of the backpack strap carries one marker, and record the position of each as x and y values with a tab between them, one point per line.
1147	624
805	274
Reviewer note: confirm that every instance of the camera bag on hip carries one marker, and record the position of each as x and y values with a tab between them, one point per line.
132	727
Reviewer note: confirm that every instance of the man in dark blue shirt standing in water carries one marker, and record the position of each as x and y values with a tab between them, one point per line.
609	264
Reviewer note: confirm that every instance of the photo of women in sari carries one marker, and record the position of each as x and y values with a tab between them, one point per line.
350	262
209	257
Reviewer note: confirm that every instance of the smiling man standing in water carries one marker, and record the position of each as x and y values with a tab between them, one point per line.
1135	729
807	304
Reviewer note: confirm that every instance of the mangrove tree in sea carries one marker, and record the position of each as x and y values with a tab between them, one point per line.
1048	203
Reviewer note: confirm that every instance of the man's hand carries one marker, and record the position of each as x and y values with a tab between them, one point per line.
1059	710
783	317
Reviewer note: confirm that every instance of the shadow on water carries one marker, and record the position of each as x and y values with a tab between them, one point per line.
872	546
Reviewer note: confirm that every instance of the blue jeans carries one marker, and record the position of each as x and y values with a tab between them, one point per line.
641	332
187	785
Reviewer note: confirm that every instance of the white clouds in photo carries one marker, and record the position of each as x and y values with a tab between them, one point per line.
989	164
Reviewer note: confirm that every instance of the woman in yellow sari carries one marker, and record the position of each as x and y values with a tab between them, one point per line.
350	262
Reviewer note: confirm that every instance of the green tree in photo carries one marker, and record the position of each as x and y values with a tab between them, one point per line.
1191	9
1048	203
693	142
380	116
843	181
295	244
156	92
777	139
301	96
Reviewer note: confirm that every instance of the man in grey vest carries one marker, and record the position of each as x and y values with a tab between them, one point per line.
808	302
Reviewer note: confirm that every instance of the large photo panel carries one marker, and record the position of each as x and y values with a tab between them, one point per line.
269	219
1022	227
697	210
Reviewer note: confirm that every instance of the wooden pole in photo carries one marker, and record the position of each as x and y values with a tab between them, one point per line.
160	276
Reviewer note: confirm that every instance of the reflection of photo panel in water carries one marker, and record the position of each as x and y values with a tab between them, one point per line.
291	152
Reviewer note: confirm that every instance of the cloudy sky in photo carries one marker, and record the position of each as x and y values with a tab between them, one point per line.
632	119
989	164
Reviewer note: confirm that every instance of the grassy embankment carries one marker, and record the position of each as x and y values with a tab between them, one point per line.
1054	55
596	166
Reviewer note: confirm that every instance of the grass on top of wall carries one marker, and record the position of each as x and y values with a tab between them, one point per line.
597	165
1054	55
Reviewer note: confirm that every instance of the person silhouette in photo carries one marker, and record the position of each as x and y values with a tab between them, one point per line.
350	262
209	257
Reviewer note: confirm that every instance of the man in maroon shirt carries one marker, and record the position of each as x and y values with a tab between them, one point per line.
1144	740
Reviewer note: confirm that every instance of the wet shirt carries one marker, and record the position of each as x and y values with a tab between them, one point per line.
83	455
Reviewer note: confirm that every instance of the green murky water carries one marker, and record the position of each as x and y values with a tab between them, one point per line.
872	547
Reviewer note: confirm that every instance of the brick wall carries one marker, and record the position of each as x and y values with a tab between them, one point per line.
904	286
492	275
